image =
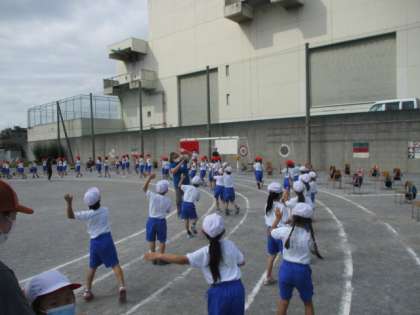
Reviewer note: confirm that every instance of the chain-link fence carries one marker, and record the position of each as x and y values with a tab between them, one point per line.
75	107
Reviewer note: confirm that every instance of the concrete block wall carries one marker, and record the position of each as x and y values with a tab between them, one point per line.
387	133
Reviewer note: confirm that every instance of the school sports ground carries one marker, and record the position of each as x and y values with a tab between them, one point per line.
370	243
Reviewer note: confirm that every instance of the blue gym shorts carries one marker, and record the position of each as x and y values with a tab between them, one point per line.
156	229
226	298
294	275
258	176
274	246
103	251
229	194
188	211
218	192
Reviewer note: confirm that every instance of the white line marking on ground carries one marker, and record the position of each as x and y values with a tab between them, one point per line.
155	294
345	304
394	232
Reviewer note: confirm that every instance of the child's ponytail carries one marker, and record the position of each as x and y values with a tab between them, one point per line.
215	252
301	197
316	251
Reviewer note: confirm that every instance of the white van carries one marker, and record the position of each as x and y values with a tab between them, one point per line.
394	105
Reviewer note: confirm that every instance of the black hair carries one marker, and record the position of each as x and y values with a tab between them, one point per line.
95	206
300	196
307	224
173	156
307	186
215	252
273	196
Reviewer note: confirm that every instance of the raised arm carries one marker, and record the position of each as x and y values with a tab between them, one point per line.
147	183
170	258
276	222
69	202
177	167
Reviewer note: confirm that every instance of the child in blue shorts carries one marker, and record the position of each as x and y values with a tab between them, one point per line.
219	189
274	247
295	271
102	247
229	191
220	262
188	211
159	206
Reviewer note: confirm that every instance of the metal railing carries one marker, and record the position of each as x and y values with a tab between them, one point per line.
75	107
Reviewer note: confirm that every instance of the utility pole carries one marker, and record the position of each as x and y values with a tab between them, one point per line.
308	105
92	127
65	133
58	130
141	118
208	109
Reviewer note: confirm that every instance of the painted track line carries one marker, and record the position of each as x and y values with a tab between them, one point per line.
346	298
388	226
155	294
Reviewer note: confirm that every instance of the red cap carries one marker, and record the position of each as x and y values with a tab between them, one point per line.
290	163
9	201
258	158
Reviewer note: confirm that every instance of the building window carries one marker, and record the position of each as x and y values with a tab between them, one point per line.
227	70
228	99
149	114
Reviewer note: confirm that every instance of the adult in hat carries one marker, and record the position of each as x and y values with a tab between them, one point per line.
12	300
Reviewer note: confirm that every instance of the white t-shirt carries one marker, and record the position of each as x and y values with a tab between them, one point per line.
229	266
300	244
96	221
227	181
203	166
191	193
271	216
313	187
159	205
219	180
293	201
258	166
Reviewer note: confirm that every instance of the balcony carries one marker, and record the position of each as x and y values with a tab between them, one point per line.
147	78
238	11
289	4
241	11
129	50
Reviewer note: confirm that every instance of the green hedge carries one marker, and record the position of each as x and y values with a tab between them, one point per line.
41	151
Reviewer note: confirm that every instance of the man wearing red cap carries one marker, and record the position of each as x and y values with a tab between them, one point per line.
12	300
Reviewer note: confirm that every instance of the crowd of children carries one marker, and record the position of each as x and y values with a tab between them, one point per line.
288	216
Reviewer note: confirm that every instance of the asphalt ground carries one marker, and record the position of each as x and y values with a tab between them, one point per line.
370	243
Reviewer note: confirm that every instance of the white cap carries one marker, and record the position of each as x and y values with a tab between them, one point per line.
196	180
213	225
228	169
162	186
305	178
225	164
312	174
298	186
303	169
274	187
47	282
220	171
92	196
303	210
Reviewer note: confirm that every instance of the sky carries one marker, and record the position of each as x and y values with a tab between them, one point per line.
52	49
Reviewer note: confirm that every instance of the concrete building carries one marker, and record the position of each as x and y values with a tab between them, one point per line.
360	52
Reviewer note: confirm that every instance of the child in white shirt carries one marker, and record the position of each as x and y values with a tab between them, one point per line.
102	247
220	262
273	206
159	206
188	210
295	271
219	188
229	191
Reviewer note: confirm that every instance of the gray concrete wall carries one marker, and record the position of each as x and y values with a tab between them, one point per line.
388	135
